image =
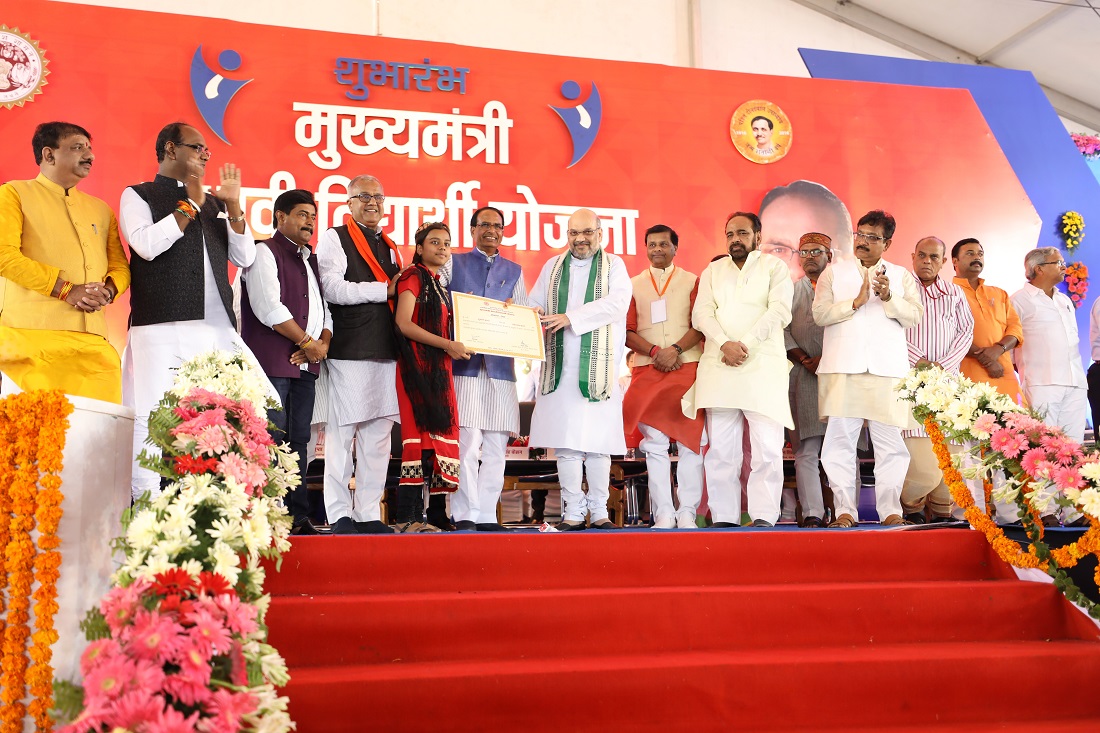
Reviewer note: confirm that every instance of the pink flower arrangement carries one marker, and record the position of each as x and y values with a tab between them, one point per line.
1089	145
1077	282
172	660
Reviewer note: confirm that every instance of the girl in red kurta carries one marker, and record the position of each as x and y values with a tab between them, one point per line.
425	386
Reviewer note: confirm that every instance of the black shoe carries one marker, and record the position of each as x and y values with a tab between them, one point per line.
1081	521
465	525
917	518
344	525
604	524
373	527
724	525
937	519
762	523
491	527
528	520
1050	520
564	526
303	527
813	522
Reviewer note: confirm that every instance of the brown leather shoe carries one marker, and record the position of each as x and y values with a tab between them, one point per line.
844	521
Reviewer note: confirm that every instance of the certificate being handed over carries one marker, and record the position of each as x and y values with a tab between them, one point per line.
486	326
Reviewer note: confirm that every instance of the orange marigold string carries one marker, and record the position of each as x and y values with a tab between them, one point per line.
1007	549
33	427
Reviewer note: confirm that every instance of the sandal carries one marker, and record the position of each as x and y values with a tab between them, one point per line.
844	521
896	520
813	522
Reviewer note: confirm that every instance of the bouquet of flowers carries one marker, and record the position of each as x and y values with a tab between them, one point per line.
1077	282
1089	145
179	643
1046	469
1073	229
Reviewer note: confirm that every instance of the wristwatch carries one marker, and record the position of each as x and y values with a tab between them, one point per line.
678	349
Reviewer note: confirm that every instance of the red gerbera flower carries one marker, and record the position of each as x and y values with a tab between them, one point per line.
176	581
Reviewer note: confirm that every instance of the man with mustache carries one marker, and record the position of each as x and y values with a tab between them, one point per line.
485	385
803	340
359	265
941	339
181	303
744	303
865	305
666	354
287	324
997	331
62	257
584	295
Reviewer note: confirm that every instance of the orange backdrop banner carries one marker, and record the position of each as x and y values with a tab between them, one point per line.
448	128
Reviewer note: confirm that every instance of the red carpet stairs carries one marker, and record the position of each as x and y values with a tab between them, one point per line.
700	631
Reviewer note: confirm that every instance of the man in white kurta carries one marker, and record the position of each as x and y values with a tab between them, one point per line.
1051	373
584	431
744	303
158	343
361	376
865	306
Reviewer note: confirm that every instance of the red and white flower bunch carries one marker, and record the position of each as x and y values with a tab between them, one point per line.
180	644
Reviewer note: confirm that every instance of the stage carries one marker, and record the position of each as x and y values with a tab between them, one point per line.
741	629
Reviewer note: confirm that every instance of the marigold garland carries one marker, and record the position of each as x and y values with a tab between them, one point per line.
1007	549
32	430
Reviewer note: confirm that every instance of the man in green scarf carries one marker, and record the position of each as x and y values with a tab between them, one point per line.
584	295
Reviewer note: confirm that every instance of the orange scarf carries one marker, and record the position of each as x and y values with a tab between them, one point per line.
367	253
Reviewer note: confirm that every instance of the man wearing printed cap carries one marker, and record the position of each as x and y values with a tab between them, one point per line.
803	342
666	347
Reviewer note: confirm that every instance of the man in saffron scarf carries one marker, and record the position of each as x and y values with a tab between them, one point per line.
666	355
358	264
584	294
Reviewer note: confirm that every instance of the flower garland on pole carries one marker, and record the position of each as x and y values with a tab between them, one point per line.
179	642
1045	469
32	440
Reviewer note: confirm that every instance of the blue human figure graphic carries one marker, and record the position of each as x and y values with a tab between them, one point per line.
212	91
582	121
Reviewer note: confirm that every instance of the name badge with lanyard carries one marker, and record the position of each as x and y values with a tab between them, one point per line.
658	309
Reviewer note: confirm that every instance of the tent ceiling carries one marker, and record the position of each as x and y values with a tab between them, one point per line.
1056	40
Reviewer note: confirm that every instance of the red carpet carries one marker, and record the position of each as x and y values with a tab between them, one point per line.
701	631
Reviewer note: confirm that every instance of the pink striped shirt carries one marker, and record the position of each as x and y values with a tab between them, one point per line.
945	332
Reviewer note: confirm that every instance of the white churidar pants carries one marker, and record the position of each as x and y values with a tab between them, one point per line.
838	458
479	484
372	458
573	466
689	473
723	465
807	476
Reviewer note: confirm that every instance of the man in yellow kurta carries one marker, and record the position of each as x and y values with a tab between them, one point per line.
744	302
62	262
865	305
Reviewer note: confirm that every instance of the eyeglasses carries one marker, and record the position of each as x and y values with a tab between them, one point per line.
200	149
366	197
574	233
804	253
740	234
490	225
779	250
1060	263
867	237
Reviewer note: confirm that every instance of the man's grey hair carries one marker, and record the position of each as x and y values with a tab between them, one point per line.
1036	257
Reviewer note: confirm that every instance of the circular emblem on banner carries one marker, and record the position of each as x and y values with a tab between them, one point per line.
22	68
760	131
